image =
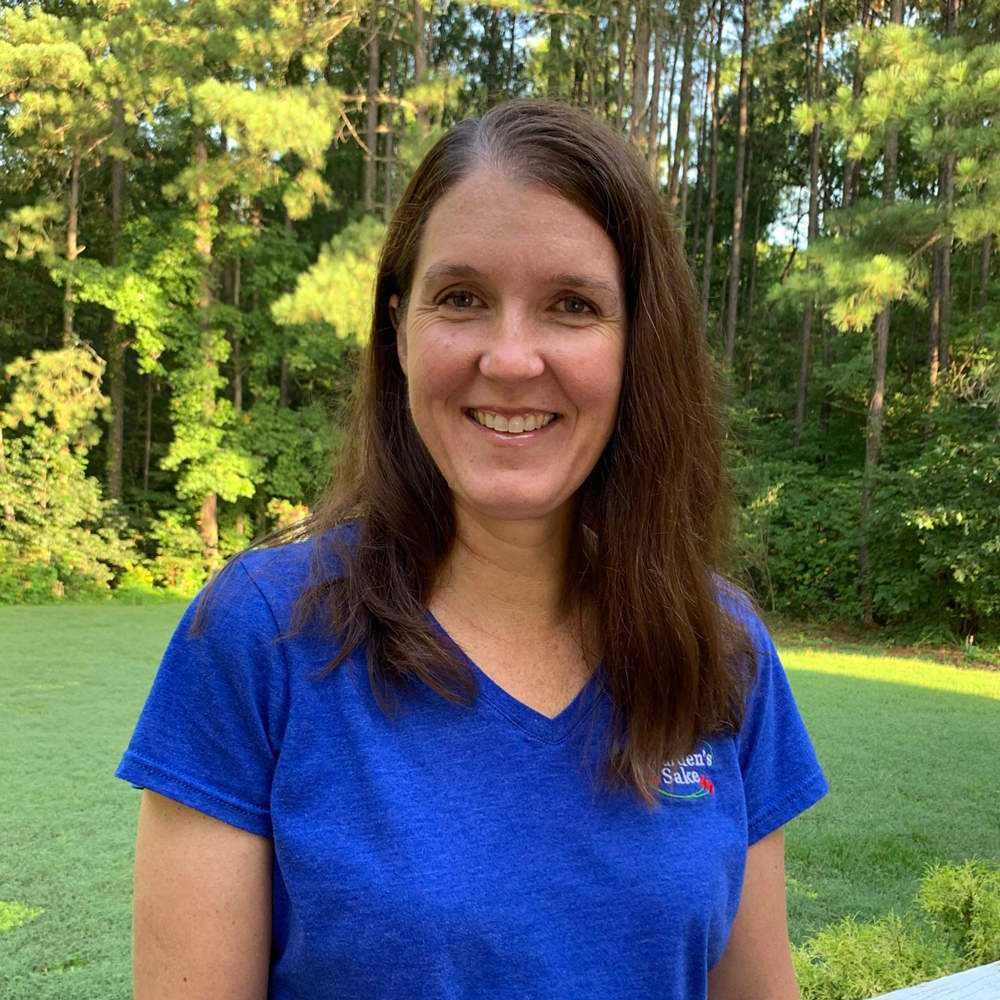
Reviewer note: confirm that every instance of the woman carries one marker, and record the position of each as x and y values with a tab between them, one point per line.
491	727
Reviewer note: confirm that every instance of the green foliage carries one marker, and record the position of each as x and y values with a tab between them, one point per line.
855	961
179	565
233	139
940	515
797	545
59	536
962	903
338	289
289	448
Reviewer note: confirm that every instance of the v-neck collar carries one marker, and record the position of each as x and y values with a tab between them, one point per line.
531	721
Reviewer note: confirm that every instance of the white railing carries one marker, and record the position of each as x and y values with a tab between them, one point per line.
973	984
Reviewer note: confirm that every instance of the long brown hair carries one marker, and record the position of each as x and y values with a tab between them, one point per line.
650	523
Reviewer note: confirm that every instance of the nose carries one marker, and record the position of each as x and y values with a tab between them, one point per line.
512	349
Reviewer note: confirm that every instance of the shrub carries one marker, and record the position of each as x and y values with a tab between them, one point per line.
855	961
962	902
796	546
58	537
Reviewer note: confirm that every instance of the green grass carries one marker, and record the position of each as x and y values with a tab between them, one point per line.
72	680
912	750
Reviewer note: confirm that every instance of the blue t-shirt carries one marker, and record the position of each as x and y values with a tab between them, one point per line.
455	851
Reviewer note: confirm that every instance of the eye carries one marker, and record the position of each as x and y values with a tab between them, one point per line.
575	306
459	298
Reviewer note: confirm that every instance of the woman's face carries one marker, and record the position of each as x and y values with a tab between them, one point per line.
513	344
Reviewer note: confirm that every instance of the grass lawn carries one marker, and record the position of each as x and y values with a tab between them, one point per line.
912	750
72	679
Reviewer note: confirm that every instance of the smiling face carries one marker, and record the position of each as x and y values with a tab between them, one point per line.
512	343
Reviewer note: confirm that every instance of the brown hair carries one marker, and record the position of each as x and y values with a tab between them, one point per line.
650	525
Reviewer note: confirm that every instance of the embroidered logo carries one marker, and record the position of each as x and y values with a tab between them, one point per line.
688	778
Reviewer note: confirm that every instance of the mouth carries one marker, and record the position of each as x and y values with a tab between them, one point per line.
520	423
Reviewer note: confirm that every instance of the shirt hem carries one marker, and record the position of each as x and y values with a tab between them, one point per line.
807	794
145	774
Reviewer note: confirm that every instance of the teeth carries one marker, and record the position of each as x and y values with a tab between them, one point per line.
514	425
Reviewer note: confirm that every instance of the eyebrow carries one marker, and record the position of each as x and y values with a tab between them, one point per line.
447	269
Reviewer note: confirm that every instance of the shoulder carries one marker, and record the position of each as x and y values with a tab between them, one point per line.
741	610
781	775
264	584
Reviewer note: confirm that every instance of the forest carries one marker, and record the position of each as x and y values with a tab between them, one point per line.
193	195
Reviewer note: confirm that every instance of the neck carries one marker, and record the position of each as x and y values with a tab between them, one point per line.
505	569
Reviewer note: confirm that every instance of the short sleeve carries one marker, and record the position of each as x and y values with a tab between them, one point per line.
210	731
781	775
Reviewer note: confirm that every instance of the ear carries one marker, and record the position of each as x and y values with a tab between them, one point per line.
396	317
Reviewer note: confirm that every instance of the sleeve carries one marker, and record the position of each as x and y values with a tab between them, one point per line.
781	775
209	733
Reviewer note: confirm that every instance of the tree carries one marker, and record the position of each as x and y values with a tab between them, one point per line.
736	250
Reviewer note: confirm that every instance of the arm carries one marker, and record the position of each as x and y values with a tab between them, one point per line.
202	906
757	963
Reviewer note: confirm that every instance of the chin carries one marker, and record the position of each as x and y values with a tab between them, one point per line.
522	508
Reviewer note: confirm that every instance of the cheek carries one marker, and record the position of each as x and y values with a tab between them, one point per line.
596	379
438	361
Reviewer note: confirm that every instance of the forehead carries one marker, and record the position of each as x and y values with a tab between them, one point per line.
493	218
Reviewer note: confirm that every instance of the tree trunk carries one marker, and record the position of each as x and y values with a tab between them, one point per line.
826	407
370	184
876	400
940	312
713	170
814	150
741	152
148	443
493	40
115	373
593	47
653	125
934	318
682	142
985	252
668	114
72	250
420	60
699	187
208	520
237	340
640	72
554	57
390	134
683	209
852	167
752	290
623	22
203	252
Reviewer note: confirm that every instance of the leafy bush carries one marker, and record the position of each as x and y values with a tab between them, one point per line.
59	536
796	546
962	902
933	541
956	926
180	565
939	519
855	961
